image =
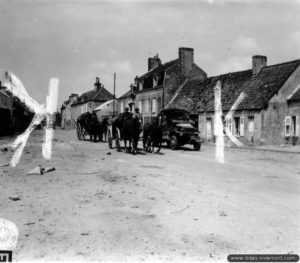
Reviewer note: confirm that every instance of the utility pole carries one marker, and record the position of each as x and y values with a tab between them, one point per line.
114	93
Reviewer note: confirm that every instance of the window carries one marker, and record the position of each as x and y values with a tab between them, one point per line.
122	107
154	106
237	126
81	109
288	126
242	126
146	106
229	124
141	85
155	81
140	106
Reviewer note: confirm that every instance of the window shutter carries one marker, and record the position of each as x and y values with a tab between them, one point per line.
287	125
297	125
242	126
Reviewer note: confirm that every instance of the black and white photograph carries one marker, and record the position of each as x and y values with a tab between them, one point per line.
149	130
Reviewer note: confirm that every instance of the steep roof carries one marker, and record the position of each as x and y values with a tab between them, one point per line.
125	95
104	105
198	96
159	69
100	94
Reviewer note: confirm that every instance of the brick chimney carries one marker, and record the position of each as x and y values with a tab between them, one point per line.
97	84
258	62
153	62
186	58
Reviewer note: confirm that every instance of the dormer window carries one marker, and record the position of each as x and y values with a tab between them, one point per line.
141	84
155	81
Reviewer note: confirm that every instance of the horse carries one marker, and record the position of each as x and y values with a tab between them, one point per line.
152	135
88	122
131	132
129	127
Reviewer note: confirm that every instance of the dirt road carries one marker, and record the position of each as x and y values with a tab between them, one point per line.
174	206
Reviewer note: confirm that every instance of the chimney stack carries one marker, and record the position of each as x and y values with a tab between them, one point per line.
97	84
258	62
153	62
186	58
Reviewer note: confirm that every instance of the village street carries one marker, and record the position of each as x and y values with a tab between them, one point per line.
104	205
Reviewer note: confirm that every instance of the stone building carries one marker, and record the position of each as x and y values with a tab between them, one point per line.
88	101
107	110
15	116
155	89
66	115
6	111
265	102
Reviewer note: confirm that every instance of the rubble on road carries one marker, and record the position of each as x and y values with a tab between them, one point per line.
36	170
17	198
40	170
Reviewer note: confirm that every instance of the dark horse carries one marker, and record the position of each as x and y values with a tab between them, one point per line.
152	135
129	127
88	122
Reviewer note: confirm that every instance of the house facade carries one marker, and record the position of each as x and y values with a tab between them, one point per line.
155	89
15	116
106	110
259	106
66	114
88	101
6	111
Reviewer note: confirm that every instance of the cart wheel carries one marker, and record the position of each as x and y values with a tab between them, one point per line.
174	143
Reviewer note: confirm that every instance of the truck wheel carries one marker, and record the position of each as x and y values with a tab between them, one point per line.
197	146
174	143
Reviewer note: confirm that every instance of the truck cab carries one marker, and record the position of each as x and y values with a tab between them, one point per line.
178	129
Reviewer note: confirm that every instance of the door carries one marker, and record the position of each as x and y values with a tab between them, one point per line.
208	129
251	128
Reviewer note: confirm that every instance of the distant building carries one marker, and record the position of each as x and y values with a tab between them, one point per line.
106	110
66	114
88	101
15	116
6	111
155	89
267	114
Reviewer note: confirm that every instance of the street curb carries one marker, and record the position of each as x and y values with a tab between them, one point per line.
255	149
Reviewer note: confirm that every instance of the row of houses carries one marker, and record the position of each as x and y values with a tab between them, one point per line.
260	105
14	115
94	100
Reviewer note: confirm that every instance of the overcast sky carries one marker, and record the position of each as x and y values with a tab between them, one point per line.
79	40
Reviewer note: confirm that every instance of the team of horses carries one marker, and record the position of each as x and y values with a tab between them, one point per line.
126	127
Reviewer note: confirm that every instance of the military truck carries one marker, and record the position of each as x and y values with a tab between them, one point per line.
178	129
